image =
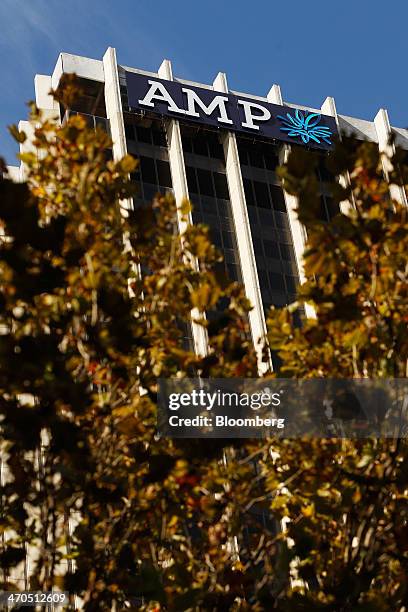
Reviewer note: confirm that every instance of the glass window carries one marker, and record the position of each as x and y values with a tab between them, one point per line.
278	199
242	153
255	158
150	191
262	194
208	206
291	283
205	182
187	144
263	278
200	144
233	272
216	237
286	252
249	195
271	159
221	187
163	173
253	216
129	131
332	208
144	134
266	218
271	249
215	147
230	256
281	220
191	180
148	170
224	208
228	240
276	281
258	247
159	138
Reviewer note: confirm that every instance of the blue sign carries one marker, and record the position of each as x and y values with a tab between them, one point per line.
229	111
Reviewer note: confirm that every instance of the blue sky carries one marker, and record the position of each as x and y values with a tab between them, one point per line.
353	50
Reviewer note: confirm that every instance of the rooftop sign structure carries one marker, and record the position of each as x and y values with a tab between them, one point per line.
229	111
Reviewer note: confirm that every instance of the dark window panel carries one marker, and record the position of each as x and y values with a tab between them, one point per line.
230	256
197	217
149	191
322	214
291	283
278	199
187	144
205	182
228	240
255	157
281	220
333	208
271	159
266	218
191	180
159	138
215	147
263	278
144	134
262	194
249	194
266	294
276	281
258	247
224	209
130	132
163	173
200	144
209	206
135	176
324	174
287	252
271	249
148	170
253	216
233	272
221	186
216	237
242	153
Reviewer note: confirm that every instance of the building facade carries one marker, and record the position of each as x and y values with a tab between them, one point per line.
219	148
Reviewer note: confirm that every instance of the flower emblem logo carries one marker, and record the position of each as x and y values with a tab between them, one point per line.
306	126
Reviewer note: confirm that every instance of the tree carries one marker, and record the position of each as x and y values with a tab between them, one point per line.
347	499
96	305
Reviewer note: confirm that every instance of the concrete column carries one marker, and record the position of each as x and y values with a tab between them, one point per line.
43	99
114	111
329	108
243	235
26	147
180	188
297	230
383	129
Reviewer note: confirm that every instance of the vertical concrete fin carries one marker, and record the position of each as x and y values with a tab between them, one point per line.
274	95
165	70
384	132
180	188
243	234
329	108
114	112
